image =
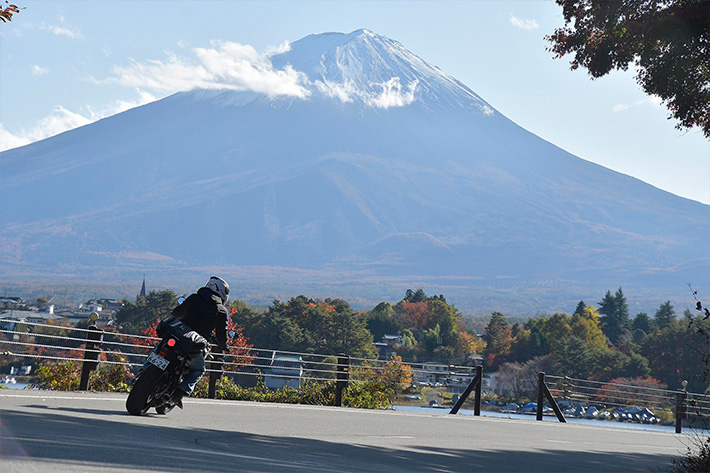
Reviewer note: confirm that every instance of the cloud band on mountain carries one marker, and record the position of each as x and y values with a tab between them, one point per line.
61	119
386	94
226	65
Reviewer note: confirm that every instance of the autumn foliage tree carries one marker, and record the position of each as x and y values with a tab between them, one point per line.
499	340
7	12
668	42
430	328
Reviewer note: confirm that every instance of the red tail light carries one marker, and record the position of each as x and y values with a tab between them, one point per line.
171	342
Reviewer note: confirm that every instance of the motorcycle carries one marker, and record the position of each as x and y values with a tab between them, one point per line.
165	368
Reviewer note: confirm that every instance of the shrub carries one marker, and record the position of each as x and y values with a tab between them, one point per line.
111	377
369	395
696	459
66	375
63	376
665	415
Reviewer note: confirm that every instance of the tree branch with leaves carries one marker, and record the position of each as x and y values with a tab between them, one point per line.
668	41
9	10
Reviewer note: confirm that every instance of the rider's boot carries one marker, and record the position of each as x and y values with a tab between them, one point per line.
177	397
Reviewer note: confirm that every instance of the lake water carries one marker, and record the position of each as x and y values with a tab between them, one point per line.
598	423
15	385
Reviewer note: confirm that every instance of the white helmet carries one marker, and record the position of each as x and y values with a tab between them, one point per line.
220	287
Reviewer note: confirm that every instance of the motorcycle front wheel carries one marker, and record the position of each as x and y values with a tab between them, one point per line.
143	391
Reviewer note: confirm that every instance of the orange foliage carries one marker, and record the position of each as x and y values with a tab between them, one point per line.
328	308
632	391
7	12
414	315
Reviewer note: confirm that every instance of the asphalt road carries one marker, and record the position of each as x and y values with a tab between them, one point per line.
43	431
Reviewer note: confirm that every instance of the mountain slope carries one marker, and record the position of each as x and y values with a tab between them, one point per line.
390	168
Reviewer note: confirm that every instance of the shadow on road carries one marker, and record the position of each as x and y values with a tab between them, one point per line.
127	442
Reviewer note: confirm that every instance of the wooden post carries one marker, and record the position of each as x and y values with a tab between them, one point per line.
342	377
680	409
553	403
475	384
477	395
540	393
94	337
216	366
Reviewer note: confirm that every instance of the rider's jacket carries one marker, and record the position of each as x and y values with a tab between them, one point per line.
204	312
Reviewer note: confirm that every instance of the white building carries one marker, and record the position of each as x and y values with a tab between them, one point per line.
284	370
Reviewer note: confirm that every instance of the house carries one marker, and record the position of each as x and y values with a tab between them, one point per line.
459	381
386	346
491	383
12	303
431	373
284	370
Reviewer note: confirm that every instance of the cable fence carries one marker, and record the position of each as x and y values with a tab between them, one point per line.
90	348
55	343
629	401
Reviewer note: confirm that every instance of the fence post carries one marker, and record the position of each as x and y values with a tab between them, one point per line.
477	395
94	337
540	393
343	375
216	366
474	385
680	408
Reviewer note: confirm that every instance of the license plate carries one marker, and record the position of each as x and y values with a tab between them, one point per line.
158	361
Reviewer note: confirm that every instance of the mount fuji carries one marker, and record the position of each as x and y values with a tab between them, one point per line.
384	172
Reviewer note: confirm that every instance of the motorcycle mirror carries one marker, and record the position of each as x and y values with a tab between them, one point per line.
181	300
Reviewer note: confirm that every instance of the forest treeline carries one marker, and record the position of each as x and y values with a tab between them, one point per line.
601	341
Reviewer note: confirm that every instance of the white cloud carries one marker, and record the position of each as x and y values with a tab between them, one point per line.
527	25
38	70
280	49
341	91
62	120
123	105
226	65
393	94
380	95
59	121
9	141
653	101
62	31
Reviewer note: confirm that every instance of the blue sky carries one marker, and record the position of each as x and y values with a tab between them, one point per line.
66	64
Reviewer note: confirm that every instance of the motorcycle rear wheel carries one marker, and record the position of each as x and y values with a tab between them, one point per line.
143	391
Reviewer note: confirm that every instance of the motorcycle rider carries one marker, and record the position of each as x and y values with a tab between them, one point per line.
203	312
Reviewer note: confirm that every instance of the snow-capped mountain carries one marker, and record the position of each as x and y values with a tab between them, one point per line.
381	73
388	169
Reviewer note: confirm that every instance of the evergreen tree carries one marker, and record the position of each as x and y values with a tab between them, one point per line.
616	315
665	315
415	296
678	352
580	308
573	357
138	316
642	322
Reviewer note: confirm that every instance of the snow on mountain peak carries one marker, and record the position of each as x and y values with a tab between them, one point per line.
363	66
